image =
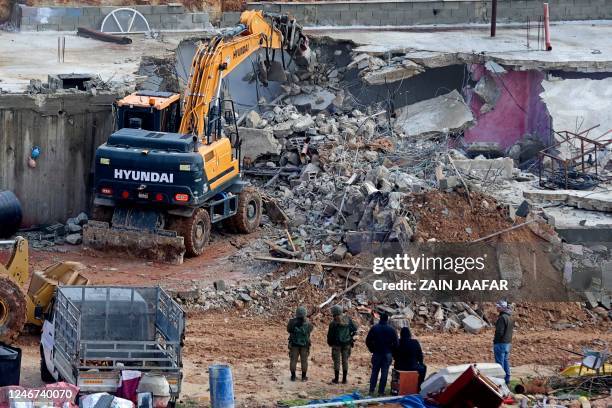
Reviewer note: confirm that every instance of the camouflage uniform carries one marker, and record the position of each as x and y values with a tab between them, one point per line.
341	326
299	329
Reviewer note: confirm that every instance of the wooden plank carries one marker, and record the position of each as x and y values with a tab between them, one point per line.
304	262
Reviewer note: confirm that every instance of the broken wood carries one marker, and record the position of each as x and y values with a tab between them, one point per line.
304	262
273	210
503	231
280	249
100	36
346	275
339	294
290	240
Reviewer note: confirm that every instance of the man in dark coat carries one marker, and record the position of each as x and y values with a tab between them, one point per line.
502	341
340	335
299	329
381	341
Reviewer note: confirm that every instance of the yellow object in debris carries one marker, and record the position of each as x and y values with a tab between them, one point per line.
574	370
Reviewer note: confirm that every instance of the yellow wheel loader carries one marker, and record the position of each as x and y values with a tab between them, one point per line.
19	307
168	172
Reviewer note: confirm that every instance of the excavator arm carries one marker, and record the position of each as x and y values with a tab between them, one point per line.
217	58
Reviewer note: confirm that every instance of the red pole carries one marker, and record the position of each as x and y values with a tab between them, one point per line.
547	27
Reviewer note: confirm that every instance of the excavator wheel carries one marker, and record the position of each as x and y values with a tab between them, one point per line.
102	213
248	217
12	310
195	230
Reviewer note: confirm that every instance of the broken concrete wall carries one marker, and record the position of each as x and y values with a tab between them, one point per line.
402	13
67	128
518	110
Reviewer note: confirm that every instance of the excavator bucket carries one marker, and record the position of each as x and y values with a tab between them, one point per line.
276	72
160	245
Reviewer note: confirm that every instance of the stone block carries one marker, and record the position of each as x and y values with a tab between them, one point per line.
47	27
176	8
87	21
167	19
28	11
145	10
472	324
91	11
200	18
69	21
28	27
159	9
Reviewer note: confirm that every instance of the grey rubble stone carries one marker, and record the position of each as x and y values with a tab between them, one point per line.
472	324
74	239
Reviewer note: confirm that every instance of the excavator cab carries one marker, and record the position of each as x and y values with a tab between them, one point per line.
155	111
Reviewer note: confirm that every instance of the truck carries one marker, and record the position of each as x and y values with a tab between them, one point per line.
94	332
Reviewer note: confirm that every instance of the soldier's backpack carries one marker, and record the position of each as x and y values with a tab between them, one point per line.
300	335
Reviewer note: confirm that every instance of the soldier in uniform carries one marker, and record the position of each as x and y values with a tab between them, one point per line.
299	329
340	335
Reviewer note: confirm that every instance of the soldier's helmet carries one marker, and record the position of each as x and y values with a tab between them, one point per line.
336	310
300	312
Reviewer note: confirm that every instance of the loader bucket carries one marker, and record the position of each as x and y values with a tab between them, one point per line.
160	246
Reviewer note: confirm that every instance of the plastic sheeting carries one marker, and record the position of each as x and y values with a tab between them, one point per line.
407	401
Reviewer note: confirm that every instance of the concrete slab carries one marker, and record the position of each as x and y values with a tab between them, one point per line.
444	114
573	47
38	57
587	200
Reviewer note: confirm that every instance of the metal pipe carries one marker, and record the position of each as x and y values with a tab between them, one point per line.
8	242
493	17
546	27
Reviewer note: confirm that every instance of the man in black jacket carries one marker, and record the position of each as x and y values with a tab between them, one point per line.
381	341
502	342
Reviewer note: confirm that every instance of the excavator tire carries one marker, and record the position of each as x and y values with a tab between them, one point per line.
102	213
195	230
12	310
248	216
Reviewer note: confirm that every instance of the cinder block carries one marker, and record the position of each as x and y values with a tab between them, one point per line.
47	27
67	27
159	9
200	18
184	22
87	21
176	8
73	11
145	9
28	27
91	11
27	11
69	20
363	17
334	7
154	20
169	19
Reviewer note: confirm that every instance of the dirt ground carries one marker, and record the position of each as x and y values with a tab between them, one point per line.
256	346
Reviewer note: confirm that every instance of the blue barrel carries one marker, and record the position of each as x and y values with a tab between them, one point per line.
221	386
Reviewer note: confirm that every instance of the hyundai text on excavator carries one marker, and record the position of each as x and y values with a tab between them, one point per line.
163	178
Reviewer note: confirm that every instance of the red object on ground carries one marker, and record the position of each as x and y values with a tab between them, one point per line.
547	27
404	382
471	389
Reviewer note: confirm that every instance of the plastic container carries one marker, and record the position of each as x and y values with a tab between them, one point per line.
10	365
221	386
10	214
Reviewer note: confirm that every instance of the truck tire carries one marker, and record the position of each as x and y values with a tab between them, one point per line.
248	216
195	230
102	213
12	310
45	374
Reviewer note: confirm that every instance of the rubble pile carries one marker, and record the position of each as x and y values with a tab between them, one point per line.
57	234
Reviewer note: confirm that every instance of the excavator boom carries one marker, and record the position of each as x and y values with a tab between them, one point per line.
223	53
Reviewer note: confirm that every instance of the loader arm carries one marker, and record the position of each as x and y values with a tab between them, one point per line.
222	54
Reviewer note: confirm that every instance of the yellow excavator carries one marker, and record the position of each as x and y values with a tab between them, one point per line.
18	308
166	174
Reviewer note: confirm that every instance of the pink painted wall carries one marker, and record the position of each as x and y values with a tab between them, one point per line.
519	109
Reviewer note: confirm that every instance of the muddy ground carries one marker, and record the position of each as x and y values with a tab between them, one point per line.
256	346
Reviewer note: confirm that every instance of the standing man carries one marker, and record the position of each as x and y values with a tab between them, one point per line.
381	341
502	342
340	335
299	329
